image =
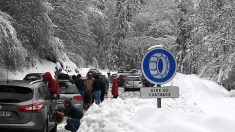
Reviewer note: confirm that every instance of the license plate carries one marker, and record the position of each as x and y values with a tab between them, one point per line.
5	114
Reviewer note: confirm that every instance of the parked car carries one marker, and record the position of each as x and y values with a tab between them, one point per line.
64	76
146	83
33	76
124	72
133	83
26	105
121	80
69	91
133	71
94	72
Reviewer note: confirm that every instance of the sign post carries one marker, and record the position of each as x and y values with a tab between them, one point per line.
159	100
159	67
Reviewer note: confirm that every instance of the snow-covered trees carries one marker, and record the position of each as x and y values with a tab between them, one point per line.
117	33
208	39
34	27
79	24
12	53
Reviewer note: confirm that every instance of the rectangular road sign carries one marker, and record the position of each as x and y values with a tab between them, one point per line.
160	92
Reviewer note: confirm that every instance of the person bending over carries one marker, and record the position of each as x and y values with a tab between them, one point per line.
74	115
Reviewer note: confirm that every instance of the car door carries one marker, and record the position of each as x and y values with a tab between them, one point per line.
50	103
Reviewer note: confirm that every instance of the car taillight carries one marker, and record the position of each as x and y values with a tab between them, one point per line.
78	98
35	107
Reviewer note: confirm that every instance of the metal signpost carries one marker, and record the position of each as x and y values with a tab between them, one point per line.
159	67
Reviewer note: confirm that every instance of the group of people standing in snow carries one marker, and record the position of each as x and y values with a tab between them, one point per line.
94	88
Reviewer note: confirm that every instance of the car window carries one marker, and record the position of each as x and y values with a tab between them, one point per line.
133	79
15	94
43	92
68	88
32	77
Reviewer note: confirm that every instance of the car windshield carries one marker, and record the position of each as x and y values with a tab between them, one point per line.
133	79
68	88
15	94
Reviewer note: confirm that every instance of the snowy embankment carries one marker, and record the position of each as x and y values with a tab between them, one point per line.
42	66
203	106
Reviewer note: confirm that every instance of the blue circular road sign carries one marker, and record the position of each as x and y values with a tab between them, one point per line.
158	66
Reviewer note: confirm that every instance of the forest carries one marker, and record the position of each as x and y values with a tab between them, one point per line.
115	34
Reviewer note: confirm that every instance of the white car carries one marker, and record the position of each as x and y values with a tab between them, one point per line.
133	83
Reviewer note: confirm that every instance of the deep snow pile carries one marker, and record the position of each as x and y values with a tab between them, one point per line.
203	106
40	66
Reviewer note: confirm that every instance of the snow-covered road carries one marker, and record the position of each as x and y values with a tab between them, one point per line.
203	106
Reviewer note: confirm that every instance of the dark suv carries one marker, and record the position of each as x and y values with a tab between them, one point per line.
94	72
26	106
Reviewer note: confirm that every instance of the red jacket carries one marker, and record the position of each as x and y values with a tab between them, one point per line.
53	85
115	87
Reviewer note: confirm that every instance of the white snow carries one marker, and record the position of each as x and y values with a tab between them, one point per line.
41	66
203	106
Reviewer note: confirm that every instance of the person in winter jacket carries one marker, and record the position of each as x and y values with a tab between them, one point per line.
53	85
77	80
97	86
115	87
89	82
75	115
103	88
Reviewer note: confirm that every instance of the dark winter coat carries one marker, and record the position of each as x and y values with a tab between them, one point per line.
106	83
79	84
98	84
53	85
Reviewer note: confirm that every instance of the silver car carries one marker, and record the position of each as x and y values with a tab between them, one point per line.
26	106
69	91
133	83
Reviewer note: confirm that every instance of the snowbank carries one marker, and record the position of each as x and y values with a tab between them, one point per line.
203	106
40	66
